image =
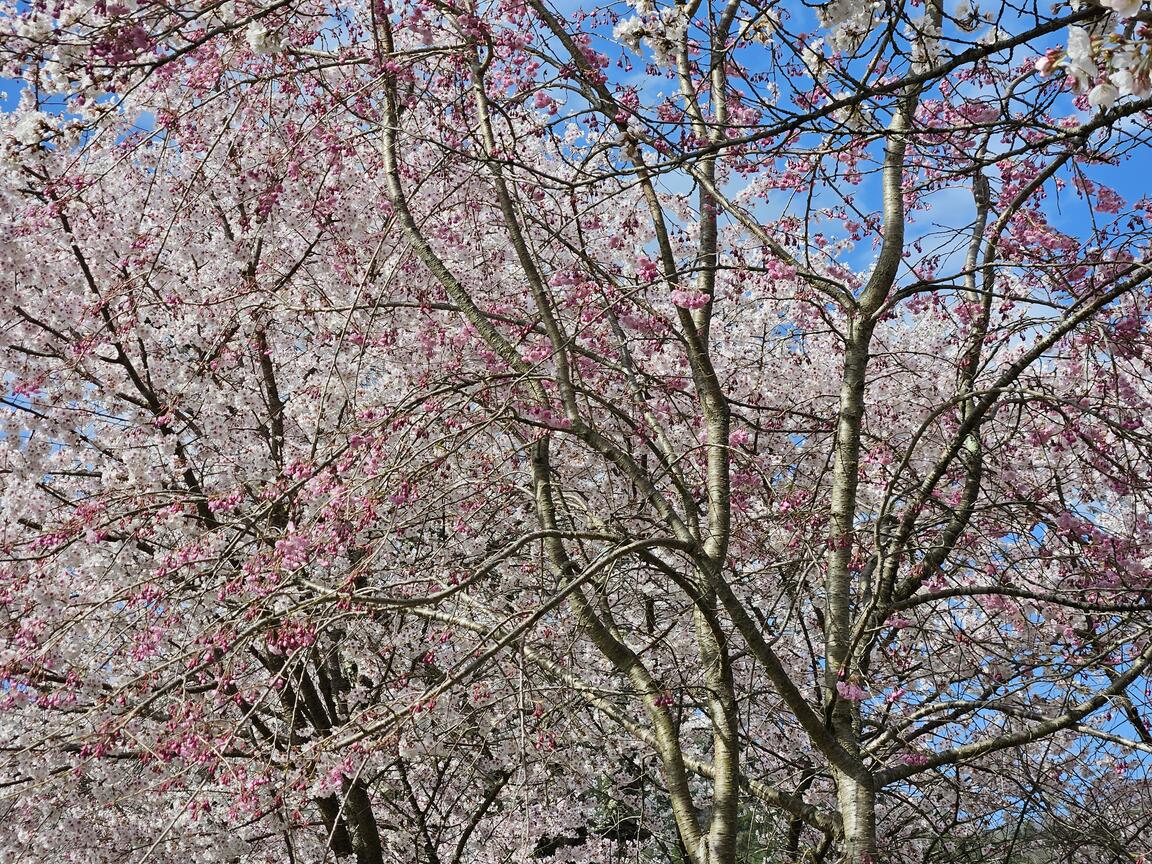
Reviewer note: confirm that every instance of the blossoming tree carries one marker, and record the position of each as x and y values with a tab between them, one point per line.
447	431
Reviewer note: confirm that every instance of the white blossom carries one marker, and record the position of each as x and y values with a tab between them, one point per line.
994	35
831	14
1081	65
629	32
262	41
30	128
38	28
812	56
1123	8
849	22
1103	96
925	38
1131	84
675	21
1079	45
967	16
762	27
855	117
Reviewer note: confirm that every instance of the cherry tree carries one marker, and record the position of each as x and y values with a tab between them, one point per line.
450	431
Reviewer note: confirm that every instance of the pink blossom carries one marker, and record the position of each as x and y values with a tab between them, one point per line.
851	691
1048	62
647	270
689	299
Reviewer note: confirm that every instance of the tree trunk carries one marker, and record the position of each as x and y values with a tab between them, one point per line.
856	800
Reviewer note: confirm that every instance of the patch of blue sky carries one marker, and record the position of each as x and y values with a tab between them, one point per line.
10	93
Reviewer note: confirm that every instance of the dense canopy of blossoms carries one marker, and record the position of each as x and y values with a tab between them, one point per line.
445	430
